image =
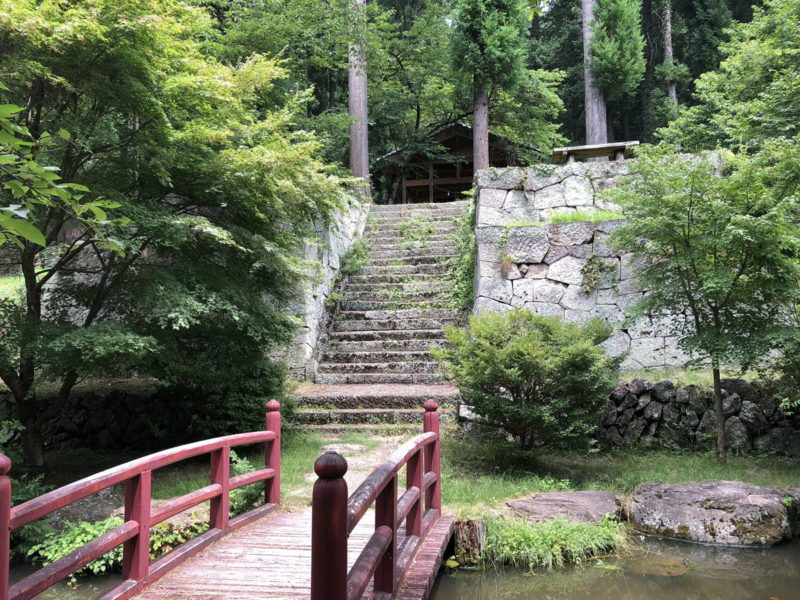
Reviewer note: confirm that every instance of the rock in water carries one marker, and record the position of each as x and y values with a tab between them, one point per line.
720	512
579	507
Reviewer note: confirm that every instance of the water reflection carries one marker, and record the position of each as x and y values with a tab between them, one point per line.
658	572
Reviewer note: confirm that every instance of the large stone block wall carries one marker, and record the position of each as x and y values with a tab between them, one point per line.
310	305
525	261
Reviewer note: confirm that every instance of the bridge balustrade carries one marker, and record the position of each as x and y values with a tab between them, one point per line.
134	533
388	554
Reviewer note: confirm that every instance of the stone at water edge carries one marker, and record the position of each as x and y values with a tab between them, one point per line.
720	512
578	507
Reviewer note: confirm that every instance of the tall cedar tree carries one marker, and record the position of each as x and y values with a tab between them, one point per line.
488	54
616	49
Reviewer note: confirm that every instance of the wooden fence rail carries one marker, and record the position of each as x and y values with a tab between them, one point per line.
134	533
387	555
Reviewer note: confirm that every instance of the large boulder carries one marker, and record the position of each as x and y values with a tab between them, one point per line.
578	507
720	512
737	437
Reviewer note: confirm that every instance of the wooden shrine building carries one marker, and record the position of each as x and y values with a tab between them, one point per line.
443	178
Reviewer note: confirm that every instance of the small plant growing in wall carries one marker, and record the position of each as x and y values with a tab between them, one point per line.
595	271
355	259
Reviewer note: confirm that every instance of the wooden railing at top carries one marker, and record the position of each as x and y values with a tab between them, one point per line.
134	533
334	517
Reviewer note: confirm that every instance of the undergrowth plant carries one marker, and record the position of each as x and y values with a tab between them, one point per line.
462	266
576	216
355	258
519	544
416	232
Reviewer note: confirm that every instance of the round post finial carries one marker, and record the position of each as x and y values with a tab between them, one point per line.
430	405
273	406
330	465
5	464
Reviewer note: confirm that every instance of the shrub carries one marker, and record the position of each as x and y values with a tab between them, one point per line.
540	379
518	544
355	258
462	266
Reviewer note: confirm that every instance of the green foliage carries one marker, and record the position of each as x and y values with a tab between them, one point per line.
617	47
462	266
715	236
24	488
518	544
487	50
355	258
540	379
416	232
211	163
57	544
576	216
595	271
754	96
247	497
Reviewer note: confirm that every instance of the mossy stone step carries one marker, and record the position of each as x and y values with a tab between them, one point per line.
368	378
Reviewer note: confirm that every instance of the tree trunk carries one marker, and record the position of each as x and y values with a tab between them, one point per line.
722	454
32	444
357	85
668	55
480	130
595	102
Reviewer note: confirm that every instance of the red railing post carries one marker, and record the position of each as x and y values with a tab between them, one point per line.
386	514
221	474
414	473
272	453
5	524
433	497
329	529
136	551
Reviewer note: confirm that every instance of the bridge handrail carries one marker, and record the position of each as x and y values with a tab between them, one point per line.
334	517
139	517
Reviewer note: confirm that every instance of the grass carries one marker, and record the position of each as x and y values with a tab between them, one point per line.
481	474
11	285
574	216
518	544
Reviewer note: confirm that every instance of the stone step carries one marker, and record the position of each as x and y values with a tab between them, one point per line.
360	416
408	280
411	223
342	368
388	292
390	324
375	396
379	429
333	356
387	335
367	346
412	211
379	231
412	259
403	314
456	204
410	247
395	237
364	305
373	378
438	267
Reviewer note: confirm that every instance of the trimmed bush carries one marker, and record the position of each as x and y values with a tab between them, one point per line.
540	379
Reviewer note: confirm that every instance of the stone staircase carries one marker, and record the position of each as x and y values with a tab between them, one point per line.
376	367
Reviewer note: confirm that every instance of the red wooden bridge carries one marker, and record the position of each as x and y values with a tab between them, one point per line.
327	553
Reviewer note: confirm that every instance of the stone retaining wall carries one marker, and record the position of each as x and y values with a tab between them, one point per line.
523	261
310	305
655	415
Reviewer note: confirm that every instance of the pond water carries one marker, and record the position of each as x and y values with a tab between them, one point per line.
88	587
657	570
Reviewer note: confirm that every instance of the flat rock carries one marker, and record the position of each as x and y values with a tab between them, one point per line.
720	512
578	507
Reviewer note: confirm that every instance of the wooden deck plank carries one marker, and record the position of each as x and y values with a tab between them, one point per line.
271	558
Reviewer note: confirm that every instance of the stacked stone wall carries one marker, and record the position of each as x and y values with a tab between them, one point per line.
662	415
526	261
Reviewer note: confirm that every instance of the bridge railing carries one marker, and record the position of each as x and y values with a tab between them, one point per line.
387	555
134	533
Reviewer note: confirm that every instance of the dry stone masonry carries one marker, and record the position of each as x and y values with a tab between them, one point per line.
526	261
654	415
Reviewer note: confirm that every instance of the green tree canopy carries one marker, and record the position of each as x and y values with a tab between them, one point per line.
617	47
